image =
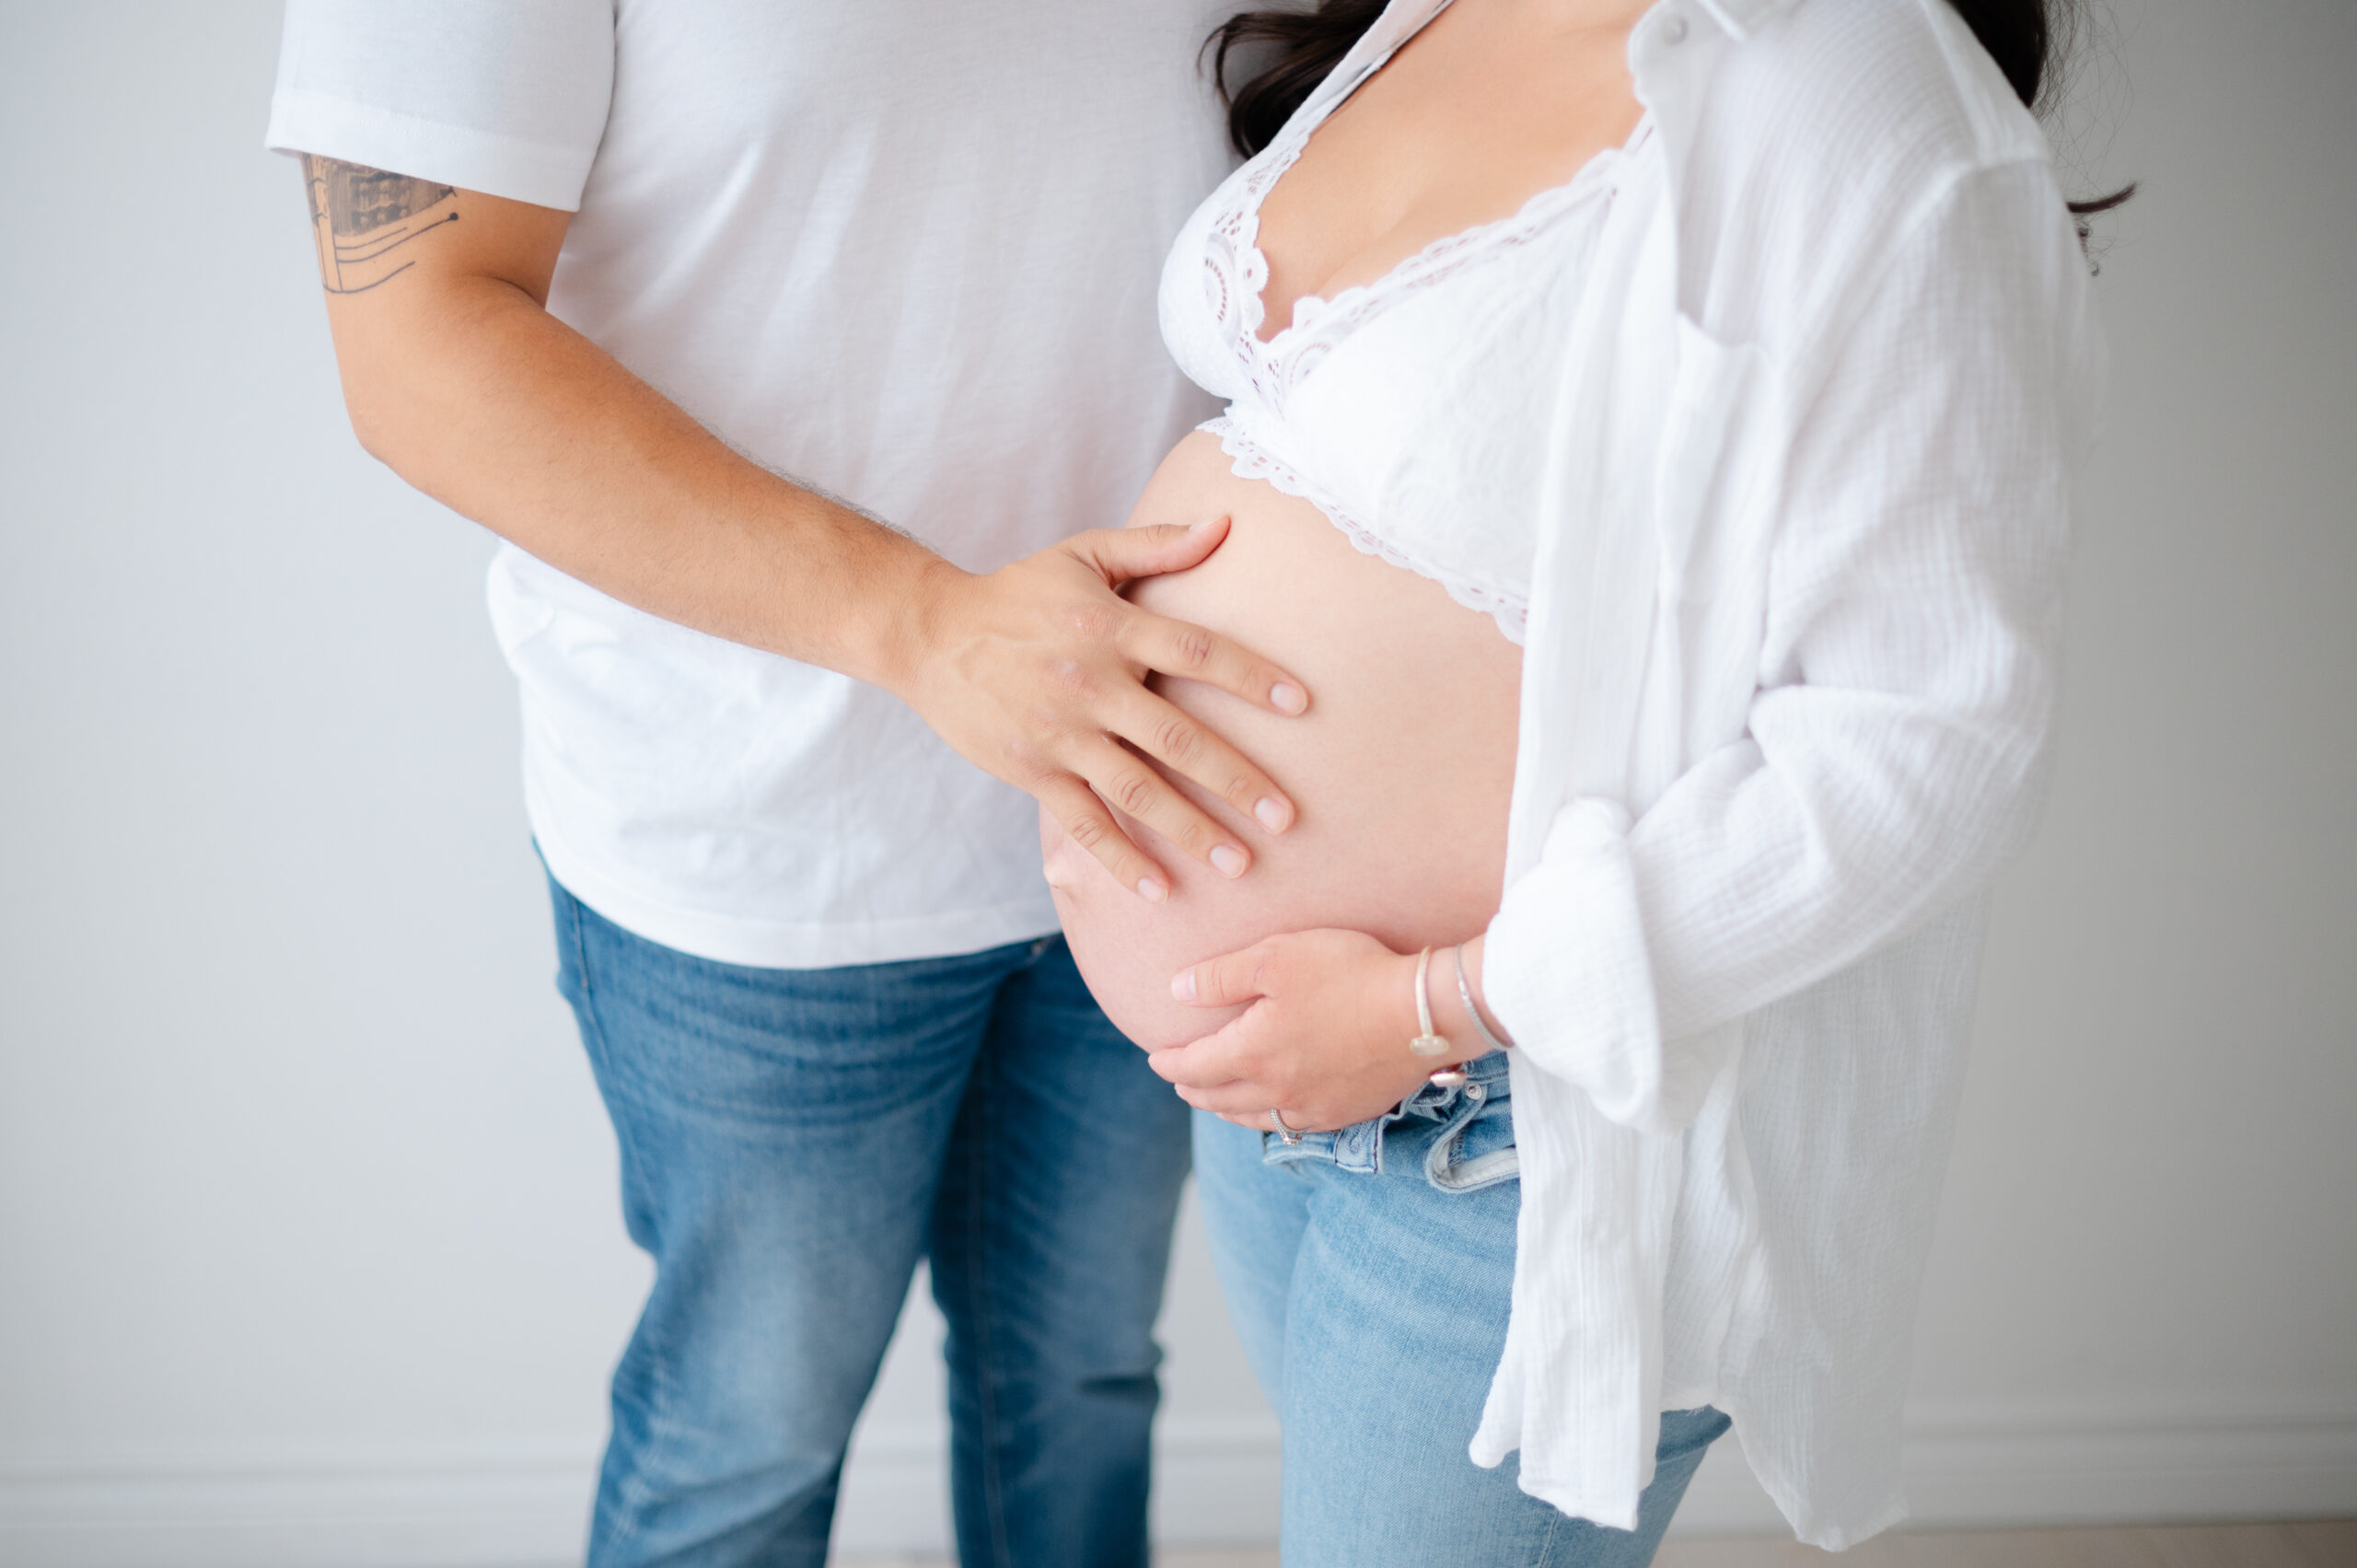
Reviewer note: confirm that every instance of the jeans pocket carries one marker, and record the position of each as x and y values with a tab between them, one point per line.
1475	1147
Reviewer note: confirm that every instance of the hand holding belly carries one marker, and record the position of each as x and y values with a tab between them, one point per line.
1323	1036
1400	774
1037	672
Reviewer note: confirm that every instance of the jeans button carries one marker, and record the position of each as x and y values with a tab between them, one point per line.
1476	1091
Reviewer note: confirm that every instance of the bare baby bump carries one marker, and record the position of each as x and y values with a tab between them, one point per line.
1401	770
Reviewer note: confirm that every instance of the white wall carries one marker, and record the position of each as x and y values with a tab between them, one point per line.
308	1245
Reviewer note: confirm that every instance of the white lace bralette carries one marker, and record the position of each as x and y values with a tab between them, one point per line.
1402	409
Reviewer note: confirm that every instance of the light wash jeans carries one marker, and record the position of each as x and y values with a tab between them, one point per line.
1369	1272
793	1141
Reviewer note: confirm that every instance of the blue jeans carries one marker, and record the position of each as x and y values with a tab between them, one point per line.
793	1141
1369	1272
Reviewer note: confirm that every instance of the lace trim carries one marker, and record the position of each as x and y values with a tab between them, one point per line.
1239	288
1238	268
1250	460
1444	256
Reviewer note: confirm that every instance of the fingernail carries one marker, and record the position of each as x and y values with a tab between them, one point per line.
1228	860
1271	813
1151	891
1182	985
1287	698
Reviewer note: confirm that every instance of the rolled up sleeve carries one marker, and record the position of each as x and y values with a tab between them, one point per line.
1895	751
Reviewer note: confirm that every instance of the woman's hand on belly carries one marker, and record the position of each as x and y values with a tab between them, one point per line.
1323	1036
1400	771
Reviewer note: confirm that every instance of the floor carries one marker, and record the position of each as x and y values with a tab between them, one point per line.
2315	1544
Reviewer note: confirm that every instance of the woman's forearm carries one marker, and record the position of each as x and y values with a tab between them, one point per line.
1451	1016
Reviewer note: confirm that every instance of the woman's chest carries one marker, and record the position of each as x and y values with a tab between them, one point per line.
1462	127
1420	411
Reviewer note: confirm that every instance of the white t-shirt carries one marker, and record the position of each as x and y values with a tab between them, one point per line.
902	250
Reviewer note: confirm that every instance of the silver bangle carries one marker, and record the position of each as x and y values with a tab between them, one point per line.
1465	994
1428	1041
1431	1042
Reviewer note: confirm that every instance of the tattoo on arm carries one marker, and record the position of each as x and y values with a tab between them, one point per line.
361	218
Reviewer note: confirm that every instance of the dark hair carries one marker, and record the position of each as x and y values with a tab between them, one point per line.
2027	38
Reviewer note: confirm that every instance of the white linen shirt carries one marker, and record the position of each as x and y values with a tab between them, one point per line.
1785	698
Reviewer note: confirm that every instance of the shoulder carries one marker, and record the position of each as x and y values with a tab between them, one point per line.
1823	133
1890	88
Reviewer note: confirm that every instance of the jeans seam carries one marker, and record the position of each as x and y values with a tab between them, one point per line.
985	1361
626	1528
572	912
1547	1547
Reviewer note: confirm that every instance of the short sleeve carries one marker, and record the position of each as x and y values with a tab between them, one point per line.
505	96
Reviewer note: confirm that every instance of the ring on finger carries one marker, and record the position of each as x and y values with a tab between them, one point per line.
1289	1134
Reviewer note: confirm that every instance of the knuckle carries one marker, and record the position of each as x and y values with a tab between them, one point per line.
1026	763
1094	622
1176	740
1087	831
1069	676
1133	791
1053	729
1192	646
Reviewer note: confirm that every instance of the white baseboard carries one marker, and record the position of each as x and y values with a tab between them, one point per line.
1997	1465
469	1508
2007	1465
522	1504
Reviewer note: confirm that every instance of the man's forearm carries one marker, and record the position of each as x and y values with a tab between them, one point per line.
458	376
475	394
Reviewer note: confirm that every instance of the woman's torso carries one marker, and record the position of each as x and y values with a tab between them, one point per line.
1380	460
1399	770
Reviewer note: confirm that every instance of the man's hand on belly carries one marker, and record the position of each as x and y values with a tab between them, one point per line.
457	375
1036	672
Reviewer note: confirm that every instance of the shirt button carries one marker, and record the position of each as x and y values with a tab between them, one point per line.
1673	30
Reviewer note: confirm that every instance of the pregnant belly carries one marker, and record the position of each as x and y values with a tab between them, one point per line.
1400	771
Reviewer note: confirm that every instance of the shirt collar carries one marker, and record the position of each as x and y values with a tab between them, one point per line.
1737	18
1740	18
